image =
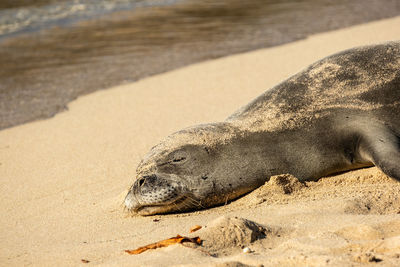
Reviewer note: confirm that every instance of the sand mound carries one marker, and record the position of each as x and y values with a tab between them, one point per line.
283	184
279	188
227	235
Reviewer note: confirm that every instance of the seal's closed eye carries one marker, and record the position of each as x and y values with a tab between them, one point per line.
179	157
175	158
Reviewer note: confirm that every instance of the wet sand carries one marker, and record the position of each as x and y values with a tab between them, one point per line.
63	180
41	72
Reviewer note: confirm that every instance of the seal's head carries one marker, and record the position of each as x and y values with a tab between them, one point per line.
183	172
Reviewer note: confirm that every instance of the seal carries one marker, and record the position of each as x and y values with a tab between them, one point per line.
340	113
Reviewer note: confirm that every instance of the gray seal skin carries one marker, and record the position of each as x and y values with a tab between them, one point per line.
339	114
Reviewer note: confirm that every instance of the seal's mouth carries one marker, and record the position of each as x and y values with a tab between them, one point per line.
175	206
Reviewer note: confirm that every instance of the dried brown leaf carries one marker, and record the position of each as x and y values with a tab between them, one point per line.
165	243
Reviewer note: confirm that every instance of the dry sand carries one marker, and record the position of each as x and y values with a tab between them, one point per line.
63	180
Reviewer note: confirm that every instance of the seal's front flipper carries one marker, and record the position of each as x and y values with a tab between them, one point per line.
382	148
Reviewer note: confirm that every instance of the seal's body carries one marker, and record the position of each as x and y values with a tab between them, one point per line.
341	113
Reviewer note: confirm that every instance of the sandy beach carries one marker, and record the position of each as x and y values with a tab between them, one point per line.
63	180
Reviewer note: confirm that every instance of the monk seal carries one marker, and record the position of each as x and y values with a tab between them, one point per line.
340	113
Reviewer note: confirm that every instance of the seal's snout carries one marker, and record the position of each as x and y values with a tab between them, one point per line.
152	191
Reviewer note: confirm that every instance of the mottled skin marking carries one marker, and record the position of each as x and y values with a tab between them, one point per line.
341	113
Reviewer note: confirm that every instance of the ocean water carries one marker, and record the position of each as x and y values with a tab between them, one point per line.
17	16
51	52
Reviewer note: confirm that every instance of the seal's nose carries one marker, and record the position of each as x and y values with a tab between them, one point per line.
141	181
